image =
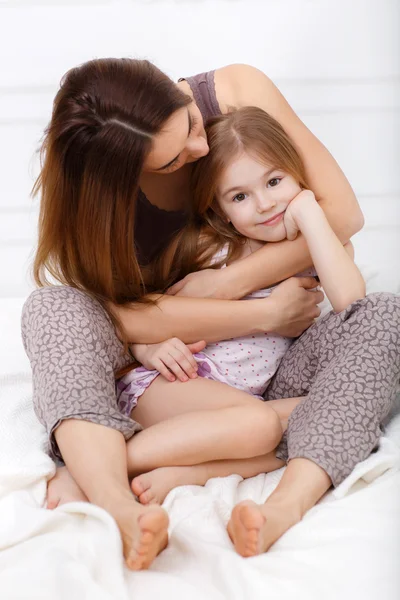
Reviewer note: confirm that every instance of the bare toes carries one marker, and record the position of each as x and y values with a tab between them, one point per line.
147	497
244	528
152	538
138	485
52	501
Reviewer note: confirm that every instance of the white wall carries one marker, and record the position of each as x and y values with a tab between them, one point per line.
336	61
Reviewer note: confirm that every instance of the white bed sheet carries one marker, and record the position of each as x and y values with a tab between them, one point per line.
346	547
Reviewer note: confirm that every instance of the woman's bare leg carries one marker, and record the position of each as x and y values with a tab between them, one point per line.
154	486
253	528
96	458
240	429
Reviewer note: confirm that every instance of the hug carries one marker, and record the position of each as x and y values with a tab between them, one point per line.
193	227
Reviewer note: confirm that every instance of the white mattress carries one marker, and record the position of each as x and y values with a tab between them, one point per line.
346	547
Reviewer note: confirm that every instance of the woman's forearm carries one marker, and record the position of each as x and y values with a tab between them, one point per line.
192	319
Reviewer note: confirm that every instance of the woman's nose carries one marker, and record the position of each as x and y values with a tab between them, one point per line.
197	147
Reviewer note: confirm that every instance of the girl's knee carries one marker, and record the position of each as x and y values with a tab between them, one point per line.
265	431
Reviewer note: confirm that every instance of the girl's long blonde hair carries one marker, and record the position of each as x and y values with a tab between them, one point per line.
250	130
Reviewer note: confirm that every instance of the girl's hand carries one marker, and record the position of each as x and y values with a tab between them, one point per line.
172	359
301	202
209	283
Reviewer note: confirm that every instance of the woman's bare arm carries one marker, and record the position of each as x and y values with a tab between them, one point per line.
242	85
194	319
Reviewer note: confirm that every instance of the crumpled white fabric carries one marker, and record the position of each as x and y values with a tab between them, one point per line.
345	547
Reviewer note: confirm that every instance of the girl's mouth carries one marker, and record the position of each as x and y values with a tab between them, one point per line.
274	220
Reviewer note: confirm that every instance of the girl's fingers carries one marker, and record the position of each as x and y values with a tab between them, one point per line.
163	370
196	346
175	367
184	357
188	365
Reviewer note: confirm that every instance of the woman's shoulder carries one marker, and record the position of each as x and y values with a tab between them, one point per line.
239	85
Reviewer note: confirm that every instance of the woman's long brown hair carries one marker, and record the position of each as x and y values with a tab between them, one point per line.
248	129
104	118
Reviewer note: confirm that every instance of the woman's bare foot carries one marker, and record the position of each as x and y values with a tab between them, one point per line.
144	529
254	528
62	488
154	486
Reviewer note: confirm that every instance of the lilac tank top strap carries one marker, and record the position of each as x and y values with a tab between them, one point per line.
203	88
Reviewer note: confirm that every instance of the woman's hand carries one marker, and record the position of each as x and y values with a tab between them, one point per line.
172	359
296	305
209	283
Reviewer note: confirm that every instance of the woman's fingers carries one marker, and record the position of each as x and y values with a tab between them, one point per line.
307	282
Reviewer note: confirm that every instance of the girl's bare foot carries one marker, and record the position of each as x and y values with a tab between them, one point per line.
144	529
62	488
254	528
154	486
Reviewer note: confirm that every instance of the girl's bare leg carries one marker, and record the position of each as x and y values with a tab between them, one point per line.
62	488
154	486
242	426
96	458
253	528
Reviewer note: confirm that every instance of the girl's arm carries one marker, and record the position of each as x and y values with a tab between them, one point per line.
242	85
339	276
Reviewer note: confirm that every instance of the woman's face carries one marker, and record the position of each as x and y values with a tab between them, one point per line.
254	196
182	140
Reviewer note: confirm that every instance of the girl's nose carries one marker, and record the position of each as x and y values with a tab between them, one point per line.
265	202
197	147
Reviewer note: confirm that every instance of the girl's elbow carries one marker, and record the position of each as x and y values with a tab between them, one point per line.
346	300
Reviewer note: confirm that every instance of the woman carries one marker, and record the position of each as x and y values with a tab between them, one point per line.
114	189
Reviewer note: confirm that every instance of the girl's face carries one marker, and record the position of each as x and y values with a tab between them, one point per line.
254	197
182	140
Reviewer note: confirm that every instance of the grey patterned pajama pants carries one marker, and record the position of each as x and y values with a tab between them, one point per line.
347	366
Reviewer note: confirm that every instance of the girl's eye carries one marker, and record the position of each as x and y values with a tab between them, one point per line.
239	197
274	182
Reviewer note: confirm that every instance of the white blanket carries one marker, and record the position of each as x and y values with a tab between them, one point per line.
347	547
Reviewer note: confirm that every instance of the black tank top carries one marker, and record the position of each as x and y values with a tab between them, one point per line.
155	226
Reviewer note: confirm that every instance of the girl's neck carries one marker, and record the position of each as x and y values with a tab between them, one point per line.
250	246
254	245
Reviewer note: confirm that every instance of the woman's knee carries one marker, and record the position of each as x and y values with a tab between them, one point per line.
377	320
64	315
381	307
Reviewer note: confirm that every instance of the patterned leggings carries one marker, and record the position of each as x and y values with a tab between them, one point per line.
347	365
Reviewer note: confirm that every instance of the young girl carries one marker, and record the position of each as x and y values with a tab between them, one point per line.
249	190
